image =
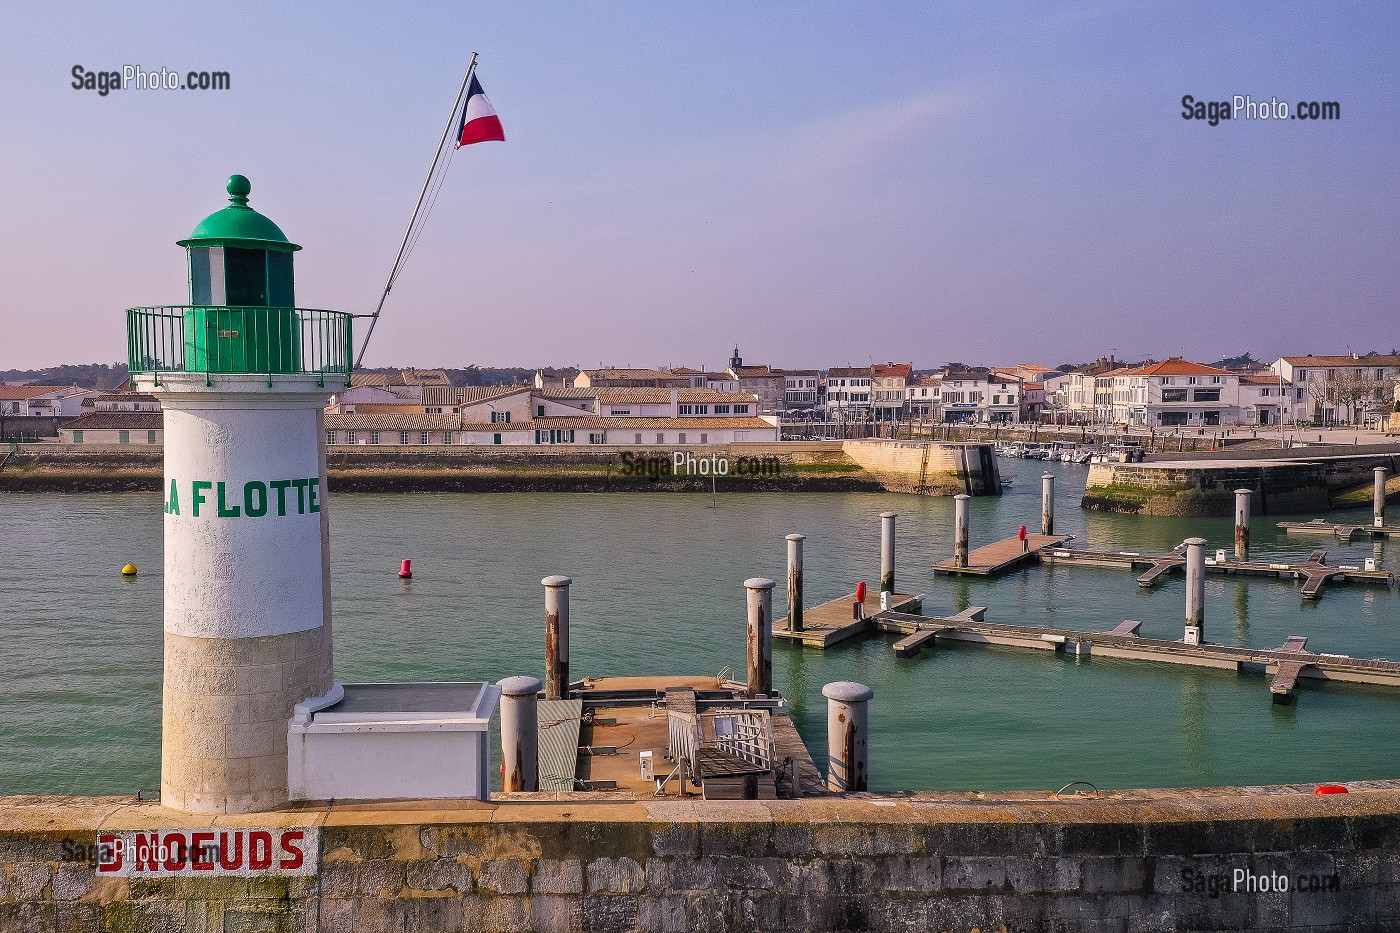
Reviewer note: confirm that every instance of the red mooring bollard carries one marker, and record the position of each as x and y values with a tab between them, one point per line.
406	570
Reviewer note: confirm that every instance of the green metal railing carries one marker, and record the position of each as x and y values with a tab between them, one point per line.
250	340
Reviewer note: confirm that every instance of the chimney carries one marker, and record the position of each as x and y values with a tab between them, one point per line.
675	403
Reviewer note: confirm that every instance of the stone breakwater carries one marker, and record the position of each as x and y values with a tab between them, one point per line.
1302	480
1135	860
792	466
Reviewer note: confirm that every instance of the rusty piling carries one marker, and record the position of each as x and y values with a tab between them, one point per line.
794	581
520	734
847	738
556	637
760	636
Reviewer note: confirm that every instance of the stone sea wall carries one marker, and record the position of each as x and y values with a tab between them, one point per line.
939	469
1303	484
789	466
1139	861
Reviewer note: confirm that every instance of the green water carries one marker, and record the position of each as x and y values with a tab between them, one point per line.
658	589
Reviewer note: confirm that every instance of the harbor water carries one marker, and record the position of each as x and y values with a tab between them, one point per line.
659	590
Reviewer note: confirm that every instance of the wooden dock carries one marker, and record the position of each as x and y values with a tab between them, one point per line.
1314	570
1287	663
624	716
1008	554
831	622
1344	532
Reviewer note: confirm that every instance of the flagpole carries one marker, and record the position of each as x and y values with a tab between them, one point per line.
417	209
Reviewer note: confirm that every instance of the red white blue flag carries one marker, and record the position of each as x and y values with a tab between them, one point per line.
479	121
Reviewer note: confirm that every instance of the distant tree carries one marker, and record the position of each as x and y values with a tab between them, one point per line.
1323	392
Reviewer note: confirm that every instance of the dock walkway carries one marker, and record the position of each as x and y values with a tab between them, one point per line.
1313	570
1008	554
831	622
1344	532
1287	663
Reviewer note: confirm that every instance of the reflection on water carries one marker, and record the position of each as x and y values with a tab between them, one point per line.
659	589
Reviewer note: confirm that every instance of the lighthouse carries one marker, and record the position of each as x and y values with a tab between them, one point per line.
243	376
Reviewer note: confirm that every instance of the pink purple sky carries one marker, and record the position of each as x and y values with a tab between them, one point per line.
823	184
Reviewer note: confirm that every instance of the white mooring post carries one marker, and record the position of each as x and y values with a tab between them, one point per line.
760	636
556	637
847	736
960	514
887	557
1243	504
520	726
794	581
1195	590
1047	503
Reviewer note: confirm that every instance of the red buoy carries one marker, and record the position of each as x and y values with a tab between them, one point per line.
1331	789
406	571
860	592
1022	533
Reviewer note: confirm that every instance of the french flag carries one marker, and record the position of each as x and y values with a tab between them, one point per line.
479	121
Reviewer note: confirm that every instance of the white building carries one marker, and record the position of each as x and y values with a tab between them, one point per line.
980	398
1343	388
582	416
924	396
801	389
848	391
140	428
44	401
887	384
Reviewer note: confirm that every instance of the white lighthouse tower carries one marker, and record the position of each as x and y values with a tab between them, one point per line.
243	376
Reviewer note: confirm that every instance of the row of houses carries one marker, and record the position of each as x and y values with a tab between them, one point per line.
575	415
684	406
1179	393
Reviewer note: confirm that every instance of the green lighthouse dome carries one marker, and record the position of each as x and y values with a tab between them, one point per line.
238	225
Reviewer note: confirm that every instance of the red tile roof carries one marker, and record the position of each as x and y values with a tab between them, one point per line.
1376	360
1176	366
113	420
24	393
896	370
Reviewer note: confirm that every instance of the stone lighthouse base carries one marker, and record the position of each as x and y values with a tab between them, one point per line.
226	706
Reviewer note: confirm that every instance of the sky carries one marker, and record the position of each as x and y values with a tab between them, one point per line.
822	184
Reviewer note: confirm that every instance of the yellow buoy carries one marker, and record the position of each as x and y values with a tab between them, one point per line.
129	570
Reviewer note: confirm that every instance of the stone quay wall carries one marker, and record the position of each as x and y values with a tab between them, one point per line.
1124	861
929	468
1207	487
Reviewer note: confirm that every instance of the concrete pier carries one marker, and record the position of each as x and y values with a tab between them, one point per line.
1243	503
794	581
1195	590
520	734
760	636
960	519
1047	503
887	551
556	637
847	736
